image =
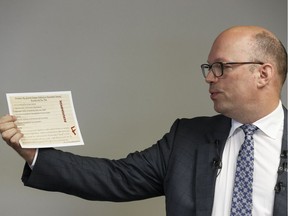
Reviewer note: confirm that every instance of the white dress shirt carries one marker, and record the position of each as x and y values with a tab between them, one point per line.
267	149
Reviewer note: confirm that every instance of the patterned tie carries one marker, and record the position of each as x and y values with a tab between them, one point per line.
242	192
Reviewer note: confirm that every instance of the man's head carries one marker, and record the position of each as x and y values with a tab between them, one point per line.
247	92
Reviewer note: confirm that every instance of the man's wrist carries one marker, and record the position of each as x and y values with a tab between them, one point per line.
27	154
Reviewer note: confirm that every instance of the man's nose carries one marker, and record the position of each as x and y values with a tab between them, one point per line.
211	78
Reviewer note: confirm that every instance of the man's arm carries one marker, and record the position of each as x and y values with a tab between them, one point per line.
138	176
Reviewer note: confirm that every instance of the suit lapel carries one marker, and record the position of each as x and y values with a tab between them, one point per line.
207	167
280	202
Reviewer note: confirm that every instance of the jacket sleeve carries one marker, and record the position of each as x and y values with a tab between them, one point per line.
138	176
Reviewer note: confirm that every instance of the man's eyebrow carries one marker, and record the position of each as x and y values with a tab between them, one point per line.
219	60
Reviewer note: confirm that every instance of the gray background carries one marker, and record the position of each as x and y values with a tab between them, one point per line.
133	67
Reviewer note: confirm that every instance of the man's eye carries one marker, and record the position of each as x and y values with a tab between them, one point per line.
227	66
217	66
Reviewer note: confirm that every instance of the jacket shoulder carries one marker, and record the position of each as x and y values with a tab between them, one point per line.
205	123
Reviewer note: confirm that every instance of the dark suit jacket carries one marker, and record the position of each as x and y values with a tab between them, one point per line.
182	166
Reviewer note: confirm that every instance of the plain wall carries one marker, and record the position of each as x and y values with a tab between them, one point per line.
133	67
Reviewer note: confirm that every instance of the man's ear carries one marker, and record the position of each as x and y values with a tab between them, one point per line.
266	71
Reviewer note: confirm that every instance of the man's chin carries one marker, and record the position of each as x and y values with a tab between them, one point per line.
219	109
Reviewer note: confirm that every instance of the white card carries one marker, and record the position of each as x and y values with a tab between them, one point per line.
47	119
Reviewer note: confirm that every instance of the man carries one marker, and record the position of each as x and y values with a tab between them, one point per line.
194	165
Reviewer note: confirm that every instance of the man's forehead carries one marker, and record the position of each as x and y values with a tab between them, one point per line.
229	49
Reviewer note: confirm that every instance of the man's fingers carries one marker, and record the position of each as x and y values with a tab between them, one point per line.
9	131
7	118
12	136
7	122
7	126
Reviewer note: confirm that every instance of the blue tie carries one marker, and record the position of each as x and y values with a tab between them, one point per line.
242	192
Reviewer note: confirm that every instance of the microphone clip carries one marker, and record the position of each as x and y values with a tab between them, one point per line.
217	163
279	187
284	154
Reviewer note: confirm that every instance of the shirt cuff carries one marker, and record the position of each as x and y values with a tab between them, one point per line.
34	159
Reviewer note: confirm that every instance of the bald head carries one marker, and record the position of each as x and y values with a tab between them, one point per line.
261	45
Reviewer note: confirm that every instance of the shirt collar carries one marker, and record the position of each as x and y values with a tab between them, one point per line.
269	124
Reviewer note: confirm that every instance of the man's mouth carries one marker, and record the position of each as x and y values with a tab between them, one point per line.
214	94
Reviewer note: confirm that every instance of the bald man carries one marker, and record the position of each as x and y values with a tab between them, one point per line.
196	164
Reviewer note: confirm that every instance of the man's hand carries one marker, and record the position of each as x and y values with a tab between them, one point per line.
11	135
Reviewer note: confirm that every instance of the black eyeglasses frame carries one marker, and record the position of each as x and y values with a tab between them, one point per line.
222	64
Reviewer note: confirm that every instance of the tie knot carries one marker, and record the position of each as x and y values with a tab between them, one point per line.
249	129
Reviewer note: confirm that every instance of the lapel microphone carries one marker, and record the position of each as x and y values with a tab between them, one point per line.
281	169
217	162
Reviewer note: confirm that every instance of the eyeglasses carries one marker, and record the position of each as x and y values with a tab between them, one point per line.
217	68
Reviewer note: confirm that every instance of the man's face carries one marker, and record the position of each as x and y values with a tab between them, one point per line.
234	93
